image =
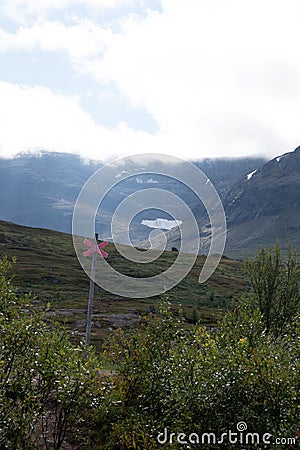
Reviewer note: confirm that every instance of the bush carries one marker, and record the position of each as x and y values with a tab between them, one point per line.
275	284
201	382
49	387
166	378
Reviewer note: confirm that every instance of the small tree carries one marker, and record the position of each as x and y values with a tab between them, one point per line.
275	285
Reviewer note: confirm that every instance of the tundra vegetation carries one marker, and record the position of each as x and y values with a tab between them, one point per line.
56	395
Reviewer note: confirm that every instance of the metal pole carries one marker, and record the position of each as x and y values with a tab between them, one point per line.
91	295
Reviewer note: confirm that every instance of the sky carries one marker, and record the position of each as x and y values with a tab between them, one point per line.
190	78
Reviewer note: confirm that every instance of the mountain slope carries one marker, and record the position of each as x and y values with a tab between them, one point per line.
265	206
40	190
262	207
225	173
47	267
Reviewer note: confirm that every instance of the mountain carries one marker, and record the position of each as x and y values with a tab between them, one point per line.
264	206
41	190
261	199
261	207
224	173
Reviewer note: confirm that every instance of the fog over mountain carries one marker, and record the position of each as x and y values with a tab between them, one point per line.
261	198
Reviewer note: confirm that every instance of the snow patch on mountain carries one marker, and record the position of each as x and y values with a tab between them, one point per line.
162	224
250	175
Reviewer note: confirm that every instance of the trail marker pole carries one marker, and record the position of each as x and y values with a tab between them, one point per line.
94	249
91	295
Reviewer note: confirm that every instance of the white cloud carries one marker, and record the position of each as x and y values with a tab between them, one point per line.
22	10
34	118
213	74
80	40
219	78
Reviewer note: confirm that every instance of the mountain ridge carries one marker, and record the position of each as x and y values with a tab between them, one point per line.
266	207
260	198
261	208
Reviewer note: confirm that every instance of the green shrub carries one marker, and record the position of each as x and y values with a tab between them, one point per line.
166	378
49	387
248	370
275	284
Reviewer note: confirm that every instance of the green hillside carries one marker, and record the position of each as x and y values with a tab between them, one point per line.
47	267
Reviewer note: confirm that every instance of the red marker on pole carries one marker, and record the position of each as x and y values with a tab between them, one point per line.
94	249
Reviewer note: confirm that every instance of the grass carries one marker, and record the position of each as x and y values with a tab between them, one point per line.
47	267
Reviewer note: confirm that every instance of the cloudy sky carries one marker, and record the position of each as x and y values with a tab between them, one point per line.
192	78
